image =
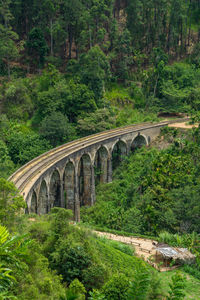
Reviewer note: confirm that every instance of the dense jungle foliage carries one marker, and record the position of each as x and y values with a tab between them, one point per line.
96	65
153	189
92	65
51	259
155	192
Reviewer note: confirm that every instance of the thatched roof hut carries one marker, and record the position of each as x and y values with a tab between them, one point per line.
173	253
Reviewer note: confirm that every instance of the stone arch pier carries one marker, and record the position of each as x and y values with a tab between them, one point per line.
66	176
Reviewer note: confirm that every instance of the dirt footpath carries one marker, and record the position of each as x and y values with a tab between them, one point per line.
183	125
144	248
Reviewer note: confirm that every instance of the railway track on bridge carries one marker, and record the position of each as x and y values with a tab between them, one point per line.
20	172
25	177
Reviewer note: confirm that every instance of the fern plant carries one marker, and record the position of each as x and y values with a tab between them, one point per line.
11	250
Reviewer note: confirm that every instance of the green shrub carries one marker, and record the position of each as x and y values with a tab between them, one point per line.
70	261
177	287
95	275
116	288
119	246
23	147
77	288
57	132
193	270
17	102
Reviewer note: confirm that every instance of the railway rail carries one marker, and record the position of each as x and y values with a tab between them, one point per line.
26	176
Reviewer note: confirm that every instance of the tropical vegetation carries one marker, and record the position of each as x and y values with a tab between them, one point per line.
96	65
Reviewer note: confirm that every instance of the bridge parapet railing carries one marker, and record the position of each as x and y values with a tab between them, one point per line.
146	125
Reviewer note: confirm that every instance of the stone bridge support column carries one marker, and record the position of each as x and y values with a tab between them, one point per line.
48	193
101	165
87	182
109	169
43	198
55	189
104	167
128	147
93	195
76	198
62	198
49	207
69	186
124	150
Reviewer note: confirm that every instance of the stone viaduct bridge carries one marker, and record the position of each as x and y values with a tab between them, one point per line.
66	176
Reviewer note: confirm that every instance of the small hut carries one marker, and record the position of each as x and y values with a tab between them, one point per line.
168	254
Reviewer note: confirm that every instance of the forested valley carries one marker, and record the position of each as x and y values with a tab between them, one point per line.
72	68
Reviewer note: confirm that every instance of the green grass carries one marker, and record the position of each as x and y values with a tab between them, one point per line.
118	95
128	104
117	232
195	27
119	260
128	116
116	262
192	286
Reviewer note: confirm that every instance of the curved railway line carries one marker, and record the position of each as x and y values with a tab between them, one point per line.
25	177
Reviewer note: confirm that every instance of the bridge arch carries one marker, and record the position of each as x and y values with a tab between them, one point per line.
119	151
43	203
37	174
139	141
101	165
55	189
85	180
69	185
34	203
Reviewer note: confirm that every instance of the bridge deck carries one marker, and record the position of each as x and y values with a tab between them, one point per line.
25	177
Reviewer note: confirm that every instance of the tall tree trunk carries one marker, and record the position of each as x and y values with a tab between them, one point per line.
199	35
70	41
51	32
8	63
26	25
186	23
155	86
182	44
169	39
190	21
90	38
77	52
